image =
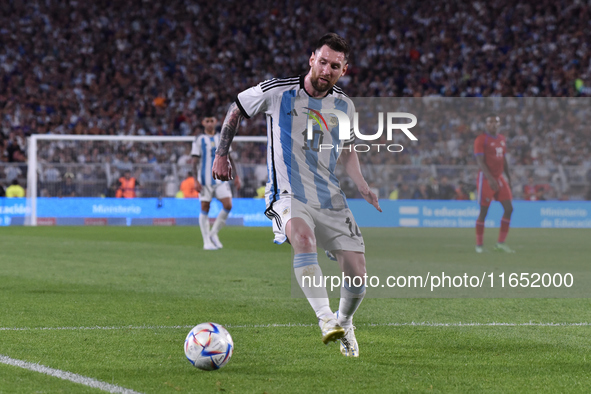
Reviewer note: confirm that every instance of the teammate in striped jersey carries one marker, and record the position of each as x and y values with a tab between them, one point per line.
203	152
303	195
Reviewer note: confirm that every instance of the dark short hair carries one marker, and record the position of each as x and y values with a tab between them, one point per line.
491	115
209	110
334	42
208	113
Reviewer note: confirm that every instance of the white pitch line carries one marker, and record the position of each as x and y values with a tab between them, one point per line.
281	325
72	377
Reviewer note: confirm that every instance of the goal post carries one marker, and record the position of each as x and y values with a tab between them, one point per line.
34	163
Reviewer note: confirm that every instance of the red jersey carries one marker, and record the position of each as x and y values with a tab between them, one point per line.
493	149
529	192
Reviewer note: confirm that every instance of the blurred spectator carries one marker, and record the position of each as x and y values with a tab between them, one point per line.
68	189
15	149
170	185
126	186
15	189
402	192
443	190
261	190
185	160
51	174
462	192
188	186
87	179
529	190
12	172
422	192
394	194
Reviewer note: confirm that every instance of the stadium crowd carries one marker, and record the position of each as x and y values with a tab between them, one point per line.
152	68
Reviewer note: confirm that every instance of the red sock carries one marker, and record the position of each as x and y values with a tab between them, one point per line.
479	233
504	230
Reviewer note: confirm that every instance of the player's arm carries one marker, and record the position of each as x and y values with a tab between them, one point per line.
484	168
351	163
222	168
236	178
479	153
248	103
507	170
195	161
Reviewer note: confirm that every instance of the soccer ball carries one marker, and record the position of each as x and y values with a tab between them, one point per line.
209	346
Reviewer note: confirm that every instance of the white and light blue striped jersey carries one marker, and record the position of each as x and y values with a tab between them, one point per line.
297	166
205	146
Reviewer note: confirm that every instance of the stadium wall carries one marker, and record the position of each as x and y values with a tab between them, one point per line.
249	212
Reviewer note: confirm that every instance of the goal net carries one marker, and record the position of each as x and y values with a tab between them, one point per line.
89	167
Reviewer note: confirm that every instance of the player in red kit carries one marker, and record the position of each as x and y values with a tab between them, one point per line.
489	149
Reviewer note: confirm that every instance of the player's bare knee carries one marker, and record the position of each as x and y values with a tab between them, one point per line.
227	207
205	206
303	242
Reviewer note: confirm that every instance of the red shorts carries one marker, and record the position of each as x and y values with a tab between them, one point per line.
486	193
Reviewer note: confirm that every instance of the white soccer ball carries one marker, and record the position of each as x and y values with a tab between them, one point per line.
209	346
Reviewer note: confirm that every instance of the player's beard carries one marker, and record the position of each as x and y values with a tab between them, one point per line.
318	86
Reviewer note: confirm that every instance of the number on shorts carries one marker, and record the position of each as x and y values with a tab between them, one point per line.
350	223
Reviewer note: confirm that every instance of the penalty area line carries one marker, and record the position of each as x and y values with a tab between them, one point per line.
284	325
65	375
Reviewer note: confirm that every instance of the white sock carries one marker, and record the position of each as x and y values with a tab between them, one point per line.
306	265
204	225
220	221
351	298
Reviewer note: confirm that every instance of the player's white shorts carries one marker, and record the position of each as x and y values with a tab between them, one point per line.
219	191
335	229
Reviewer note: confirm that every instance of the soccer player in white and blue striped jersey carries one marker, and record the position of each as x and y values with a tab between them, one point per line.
203	152
304	198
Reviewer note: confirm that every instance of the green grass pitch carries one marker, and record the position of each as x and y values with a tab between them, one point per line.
115	304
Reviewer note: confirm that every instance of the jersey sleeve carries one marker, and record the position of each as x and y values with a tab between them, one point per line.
479	146
196	148
253	100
